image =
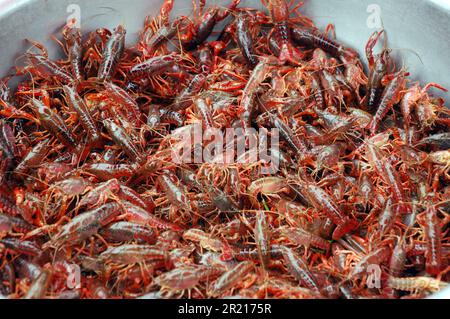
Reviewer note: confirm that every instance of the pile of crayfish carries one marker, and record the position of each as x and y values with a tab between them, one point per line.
93	204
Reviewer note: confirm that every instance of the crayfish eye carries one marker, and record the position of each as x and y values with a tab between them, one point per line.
47	112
